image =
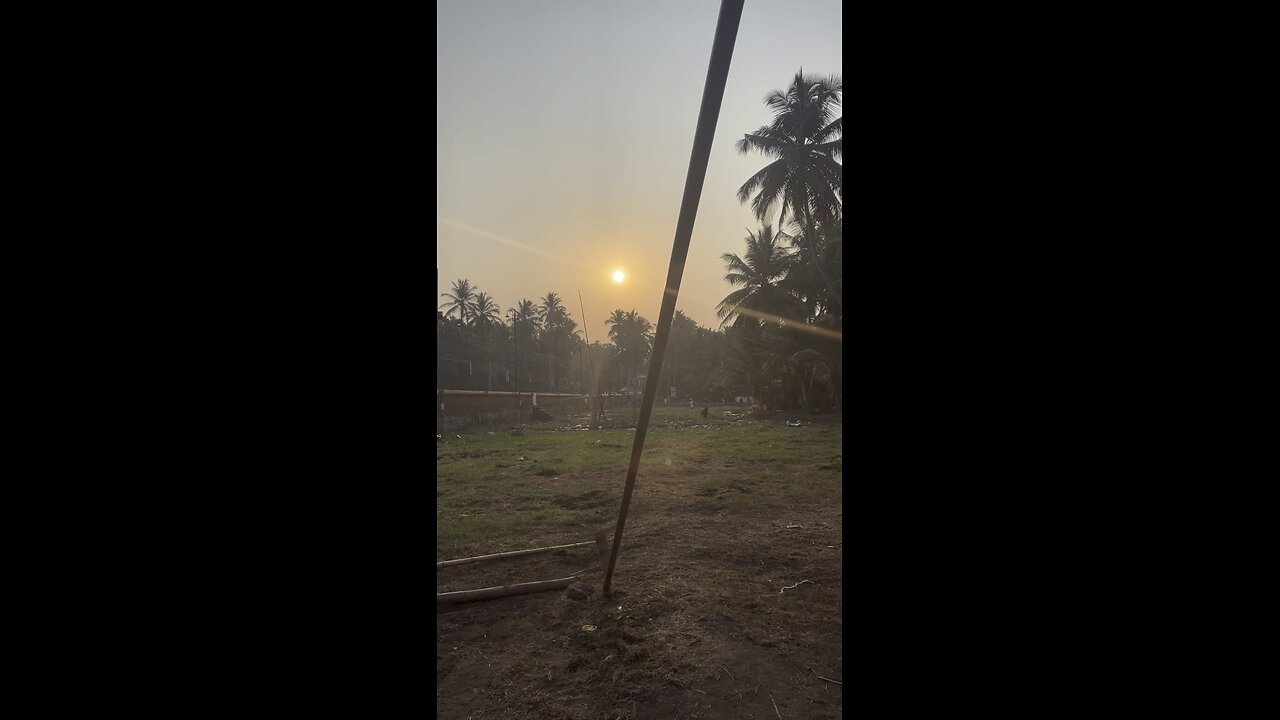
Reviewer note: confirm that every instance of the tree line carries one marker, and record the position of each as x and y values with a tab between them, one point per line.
479	348
780	333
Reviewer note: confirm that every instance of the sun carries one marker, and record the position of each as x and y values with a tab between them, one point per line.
619	276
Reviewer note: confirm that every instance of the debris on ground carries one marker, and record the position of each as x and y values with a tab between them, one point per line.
685	625
796	585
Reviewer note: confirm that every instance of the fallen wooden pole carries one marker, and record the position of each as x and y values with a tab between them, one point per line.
513	553
503	591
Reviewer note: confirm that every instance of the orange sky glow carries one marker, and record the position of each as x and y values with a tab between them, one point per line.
564	130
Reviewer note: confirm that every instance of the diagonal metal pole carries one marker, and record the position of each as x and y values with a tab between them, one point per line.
582	359
712	94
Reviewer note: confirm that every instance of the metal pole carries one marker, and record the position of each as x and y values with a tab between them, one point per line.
515	354
440	424
583	357
712	95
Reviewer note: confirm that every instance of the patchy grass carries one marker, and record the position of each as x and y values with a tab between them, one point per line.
494	489
708	616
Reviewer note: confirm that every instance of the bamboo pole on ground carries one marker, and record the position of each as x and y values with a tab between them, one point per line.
513	553
503	591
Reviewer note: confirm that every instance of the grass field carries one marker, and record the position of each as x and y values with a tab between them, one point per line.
727	513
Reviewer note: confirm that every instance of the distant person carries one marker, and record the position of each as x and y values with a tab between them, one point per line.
705	410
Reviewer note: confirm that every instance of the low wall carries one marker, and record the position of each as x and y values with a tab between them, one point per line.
466	408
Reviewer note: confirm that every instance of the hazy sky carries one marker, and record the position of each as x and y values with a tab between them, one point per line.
563	133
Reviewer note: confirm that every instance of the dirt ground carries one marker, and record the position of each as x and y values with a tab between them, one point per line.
708	617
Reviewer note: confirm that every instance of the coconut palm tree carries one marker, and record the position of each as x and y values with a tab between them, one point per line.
568	328
804	178
484	311
484	315
459	300
807	282
804	138
683	329
632	334
553	315
804	281
617	322
639	333
758	277
737	365
526	315
551	306
796	369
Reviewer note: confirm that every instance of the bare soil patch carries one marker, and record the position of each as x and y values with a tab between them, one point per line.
708	617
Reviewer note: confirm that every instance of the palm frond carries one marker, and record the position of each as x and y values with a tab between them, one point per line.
833	128
734	263
771	186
